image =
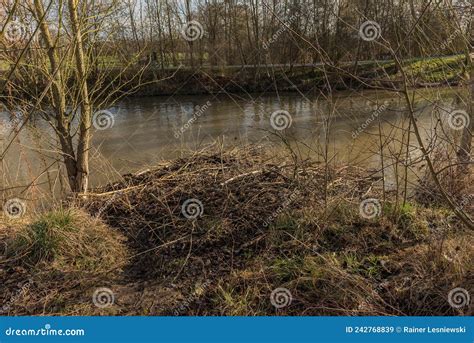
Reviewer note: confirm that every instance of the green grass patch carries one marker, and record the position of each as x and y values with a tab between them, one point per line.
68	240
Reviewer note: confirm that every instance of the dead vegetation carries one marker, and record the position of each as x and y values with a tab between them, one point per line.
255	224
52	260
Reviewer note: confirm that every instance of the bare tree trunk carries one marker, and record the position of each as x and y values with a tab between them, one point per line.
62	121
82	161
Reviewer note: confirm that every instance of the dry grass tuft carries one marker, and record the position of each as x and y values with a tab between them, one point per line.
51	262
422	276
67	241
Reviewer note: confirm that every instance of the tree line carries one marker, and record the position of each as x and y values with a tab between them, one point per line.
57	46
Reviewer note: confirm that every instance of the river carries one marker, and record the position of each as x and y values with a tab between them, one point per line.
144	131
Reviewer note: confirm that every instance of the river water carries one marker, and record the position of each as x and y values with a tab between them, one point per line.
144	131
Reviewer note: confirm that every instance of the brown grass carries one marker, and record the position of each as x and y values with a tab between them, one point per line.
265	223
50	260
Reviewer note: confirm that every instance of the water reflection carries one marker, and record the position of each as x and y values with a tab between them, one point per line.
145	129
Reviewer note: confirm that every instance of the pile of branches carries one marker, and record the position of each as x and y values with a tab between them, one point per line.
210	206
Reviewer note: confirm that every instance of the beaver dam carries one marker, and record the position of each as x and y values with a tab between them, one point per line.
240	233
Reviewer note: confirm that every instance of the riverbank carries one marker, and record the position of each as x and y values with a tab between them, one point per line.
152	80
238	233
